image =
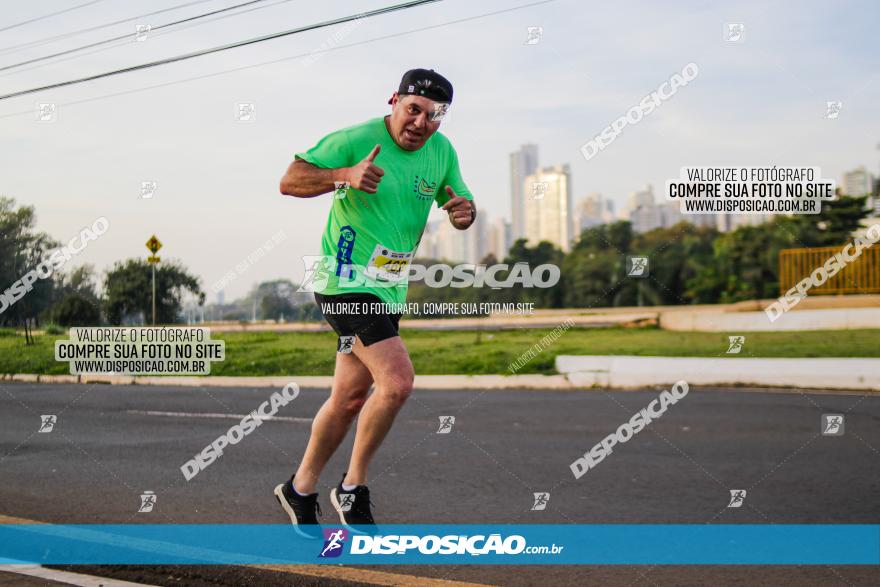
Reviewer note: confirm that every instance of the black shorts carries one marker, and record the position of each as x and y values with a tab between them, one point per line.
358	314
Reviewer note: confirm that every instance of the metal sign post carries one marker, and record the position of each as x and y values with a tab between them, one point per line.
153	245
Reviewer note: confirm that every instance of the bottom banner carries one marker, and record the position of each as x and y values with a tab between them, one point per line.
624	544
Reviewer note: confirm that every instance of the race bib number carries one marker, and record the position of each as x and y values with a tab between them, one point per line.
389	265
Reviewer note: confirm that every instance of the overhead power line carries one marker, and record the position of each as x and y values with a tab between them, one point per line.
186	56
153	34
288	58
45	16
46	40
128	35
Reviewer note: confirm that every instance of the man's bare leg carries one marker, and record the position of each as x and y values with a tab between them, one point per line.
392	370
351	384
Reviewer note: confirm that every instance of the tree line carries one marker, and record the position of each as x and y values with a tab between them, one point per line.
72	298
686	265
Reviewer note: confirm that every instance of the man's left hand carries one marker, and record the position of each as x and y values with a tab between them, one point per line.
461	210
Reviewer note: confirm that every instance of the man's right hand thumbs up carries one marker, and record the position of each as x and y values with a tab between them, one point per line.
372	156
366	175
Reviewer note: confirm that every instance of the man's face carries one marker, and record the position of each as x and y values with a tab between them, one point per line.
410	122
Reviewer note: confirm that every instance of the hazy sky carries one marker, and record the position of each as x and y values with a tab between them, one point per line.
759	102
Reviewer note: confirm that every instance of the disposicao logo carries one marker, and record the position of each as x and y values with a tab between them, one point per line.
334	540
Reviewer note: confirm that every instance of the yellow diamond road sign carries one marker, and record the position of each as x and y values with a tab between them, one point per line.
154	245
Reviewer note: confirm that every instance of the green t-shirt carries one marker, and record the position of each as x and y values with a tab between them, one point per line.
370	239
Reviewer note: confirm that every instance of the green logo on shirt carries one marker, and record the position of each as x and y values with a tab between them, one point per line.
424	189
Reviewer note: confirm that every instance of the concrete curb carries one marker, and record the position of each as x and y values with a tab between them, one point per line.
577	372
550	382
632	372
797	320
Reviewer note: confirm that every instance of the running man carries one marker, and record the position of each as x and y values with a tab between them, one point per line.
384	175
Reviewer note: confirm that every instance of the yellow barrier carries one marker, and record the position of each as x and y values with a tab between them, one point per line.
862	276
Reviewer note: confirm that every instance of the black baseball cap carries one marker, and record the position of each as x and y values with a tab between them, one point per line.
427	83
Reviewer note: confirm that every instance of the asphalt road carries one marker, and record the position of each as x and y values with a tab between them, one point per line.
111	443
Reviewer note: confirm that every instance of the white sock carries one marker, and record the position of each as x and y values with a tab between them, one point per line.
348	487
297	491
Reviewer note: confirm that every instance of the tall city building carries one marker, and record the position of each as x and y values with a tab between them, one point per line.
428	245
874	201
522	164
591	211
448	245
708	220
858	182
644	215
549	214
443	241
670	214
642	198
479	238
499	238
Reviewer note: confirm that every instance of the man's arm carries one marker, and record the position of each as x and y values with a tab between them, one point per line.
304	180
462	212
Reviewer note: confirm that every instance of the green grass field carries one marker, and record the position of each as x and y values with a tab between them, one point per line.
472	353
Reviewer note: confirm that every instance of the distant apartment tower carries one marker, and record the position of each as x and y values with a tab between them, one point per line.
548	206
591	211
443	241
874	200
479	238
523	163
499	238
446	244
644	215
670	214
428	244
857	182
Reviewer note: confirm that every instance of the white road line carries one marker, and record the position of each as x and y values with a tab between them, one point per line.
67	577
213	415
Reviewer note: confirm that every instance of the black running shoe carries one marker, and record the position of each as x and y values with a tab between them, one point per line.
300	509
353	506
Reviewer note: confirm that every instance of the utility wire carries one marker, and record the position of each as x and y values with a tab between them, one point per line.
283	59
379	11
127	36
72	8
98	27
153	34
